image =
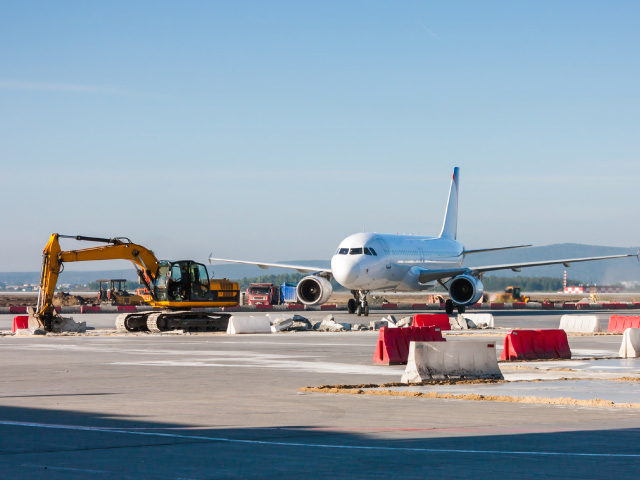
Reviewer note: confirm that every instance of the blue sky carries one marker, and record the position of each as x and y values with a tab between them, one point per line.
271	130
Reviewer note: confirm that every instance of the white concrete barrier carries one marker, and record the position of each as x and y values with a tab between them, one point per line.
630	347
437	360
239	325
480	318
580	323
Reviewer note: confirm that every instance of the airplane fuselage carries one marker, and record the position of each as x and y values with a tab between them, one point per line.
374	261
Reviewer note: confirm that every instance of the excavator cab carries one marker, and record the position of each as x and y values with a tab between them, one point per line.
182	281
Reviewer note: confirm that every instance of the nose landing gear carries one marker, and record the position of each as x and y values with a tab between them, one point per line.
358	304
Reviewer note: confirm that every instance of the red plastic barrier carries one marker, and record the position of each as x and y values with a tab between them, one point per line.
608	306
295	306
88	309
519	305
620	306
419	306
535	344
20	322
17	309
496	306
569	306
328	307
264	308
389	306
440	320
619	323
393	343
548	305
127	308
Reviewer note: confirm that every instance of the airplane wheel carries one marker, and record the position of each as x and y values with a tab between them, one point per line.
351	305
448	306
461	308
366	310
359	310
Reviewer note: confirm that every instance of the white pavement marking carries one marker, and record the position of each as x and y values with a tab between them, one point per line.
314	445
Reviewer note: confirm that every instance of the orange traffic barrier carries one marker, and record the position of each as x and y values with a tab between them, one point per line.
536	344
393	343
440	320
619	323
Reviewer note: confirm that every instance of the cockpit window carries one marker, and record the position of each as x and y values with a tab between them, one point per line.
366	251
355	251
343	251
373	252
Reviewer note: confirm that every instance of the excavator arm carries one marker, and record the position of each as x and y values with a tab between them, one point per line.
54	258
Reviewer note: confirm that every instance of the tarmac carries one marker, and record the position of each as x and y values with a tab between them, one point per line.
206	406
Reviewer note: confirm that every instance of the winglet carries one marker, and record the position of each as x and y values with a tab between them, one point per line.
450	225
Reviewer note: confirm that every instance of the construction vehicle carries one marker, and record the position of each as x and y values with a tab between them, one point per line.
263	294
114	291
511	294
175	288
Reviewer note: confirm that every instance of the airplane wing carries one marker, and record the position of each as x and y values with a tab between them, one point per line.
566	262
265	265
430	275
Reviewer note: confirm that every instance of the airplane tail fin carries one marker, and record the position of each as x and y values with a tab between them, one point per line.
450	225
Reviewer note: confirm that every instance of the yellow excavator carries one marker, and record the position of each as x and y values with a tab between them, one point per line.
174	288
510	295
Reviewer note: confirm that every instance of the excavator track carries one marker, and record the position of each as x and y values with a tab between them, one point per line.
187	321
131	322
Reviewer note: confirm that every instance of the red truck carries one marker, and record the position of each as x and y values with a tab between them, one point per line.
263	294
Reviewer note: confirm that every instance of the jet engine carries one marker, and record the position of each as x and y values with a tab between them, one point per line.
465	290
314	290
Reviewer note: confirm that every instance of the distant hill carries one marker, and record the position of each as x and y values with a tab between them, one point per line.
601	272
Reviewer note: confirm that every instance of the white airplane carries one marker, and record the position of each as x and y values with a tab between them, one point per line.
365	262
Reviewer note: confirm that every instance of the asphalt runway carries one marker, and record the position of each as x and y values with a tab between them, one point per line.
217	406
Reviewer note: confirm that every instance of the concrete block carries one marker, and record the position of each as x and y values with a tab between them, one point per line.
241	325
438	360
67	324
580	323
630	347
458	323
281	324
376	324
482	320
330	325
404	322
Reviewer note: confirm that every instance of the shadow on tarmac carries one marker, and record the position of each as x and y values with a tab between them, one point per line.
58	444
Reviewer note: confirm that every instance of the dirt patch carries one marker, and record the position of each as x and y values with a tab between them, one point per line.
596	402
60	299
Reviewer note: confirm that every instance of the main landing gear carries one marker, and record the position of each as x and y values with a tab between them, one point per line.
358	304
449	306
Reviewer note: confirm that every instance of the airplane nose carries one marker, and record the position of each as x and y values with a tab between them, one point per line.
346	273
